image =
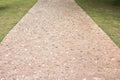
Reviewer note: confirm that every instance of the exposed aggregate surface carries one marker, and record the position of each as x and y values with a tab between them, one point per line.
57	40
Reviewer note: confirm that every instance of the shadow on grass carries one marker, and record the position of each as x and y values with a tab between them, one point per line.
3	7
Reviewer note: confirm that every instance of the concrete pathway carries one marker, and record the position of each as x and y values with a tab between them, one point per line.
57	40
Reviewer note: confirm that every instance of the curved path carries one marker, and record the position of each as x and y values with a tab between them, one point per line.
57	40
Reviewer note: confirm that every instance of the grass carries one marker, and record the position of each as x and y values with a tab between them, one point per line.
11	11
105	14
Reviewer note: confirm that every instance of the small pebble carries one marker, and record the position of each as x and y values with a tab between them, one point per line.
65	63
51	52
25	49
67	52
113	59
84	79
22	45
23	75
2	79
97	78
6	55
96	61
76	30
29	64
74	58
38	46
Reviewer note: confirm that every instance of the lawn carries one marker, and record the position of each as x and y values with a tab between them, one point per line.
11	11
106	15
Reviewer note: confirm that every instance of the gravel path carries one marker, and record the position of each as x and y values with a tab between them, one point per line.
57	40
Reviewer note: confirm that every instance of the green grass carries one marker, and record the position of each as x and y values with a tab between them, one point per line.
105	14
11	11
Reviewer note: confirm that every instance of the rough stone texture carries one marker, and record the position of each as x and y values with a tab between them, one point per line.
57	40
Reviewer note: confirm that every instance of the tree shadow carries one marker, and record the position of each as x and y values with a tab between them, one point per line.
3	7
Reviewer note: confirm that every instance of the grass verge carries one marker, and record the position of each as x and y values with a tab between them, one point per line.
11	11
105	14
